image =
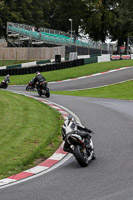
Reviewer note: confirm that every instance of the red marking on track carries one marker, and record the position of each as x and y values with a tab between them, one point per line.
60	150
48	163
89	75
104	72
21	175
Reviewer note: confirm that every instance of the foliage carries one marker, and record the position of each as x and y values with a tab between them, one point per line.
99	18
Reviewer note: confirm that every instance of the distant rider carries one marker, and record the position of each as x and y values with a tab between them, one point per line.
7	78
71	127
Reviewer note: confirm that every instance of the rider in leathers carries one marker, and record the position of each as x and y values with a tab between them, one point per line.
7	78
70	126
39	78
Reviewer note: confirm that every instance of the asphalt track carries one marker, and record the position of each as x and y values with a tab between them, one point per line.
110	176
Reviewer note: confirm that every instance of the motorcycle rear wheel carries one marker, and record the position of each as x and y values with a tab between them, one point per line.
47	93
80	156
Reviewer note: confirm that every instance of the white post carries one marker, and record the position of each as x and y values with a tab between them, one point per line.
71	28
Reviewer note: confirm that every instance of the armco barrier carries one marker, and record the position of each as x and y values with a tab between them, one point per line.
43	68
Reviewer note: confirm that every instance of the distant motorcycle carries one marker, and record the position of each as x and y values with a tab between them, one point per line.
4	84
82	152
30	86
42	89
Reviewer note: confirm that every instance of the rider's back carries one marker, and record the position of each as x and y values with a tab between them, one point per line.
39	78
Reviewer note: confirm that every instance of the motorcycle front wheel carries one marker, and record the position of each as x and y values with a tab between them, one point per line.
39	92
81	156
27	87
5	86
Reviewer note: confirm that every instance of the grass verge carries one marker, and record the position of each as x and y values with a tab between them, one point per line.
116	91
30	132
71	72
12	62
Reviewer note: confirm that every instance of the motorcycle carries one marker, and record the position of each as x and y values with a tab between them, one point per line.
42	89
83	151
30	86
4	84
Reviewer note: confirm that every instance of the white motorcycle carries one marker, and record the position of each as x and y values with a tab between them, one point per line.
83	151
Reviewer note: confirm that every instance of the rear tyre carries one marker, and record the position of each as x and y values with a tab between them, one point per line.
81	156
93	156
47	93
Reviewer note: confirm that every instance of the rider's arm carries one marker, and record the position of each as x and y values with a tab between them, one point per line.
83	128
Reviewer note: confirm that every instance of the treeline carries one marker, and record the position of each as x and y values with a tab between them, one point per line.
98	18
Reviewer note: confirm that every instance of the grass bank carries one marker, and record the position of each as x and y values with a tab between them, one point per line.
12	62
30	131
72	72
117	91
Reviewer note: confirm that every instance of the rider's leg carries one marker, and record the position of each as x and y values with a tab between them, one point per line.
67	147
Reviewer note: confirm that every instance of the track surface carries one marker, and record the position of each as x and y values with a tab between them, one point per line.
110	176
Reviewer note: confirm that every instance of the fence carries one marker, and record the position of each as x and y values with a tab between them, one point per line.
39	53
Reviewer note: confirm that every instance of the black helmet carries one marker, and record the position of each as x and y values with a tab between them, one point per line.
70	118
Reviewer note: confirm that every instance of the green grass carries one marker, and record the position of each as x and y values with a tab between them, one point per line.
117	91
30	131
71	72
12	62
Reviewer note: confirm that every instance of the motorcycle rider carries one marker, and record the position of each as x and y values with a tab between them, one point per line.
71	127
7	78
38	78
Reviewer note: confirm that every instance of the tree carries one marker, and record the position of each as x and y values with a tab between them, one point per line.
30	12
122	26
98	18
62	11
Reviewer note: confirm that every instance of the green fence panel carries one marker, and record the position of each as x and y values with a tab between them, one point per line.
90	60
13	66
94	55
43	61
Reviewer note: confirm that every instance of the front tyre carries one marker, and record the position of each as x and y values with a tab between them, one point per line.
81	156
27	88
5	86
39	92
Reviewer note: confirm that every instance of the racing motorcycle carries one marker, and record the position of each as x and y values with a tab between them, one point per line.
42	89
83	151
30	86
4	84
